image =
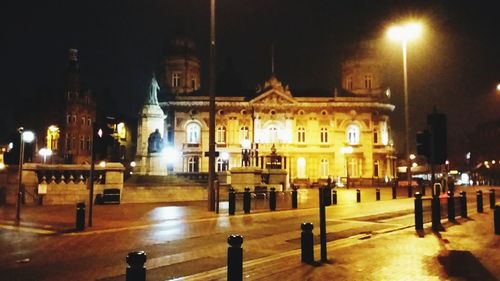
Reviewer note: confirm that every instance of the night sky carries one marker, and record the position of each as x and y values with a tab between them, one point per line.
455	65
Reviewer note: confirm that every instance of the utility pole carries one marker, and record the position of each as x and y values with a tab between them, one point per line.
211	126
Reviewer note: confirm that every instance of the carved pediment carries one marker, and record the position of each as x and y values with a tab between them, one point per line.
273	97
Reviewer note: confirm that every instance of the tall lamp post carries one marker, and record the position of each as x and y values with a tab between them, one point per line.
403	34
24	137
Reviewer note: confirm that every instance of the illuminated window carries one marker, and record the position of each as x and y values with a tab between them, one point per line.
176	79
384	134
83	121
301	168
193	133
89	122
52	137
324	135
273	134
323	168
220	136
244	133
353	134
87	143
121	130
349	85
368	81
193	164
353	166
220	164
301	135
74	119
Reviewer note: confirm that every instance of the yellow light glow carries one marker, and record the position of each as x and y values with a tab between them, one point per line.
102	164
2	166
346	149
447	162
28	136
414	165
245	144
405	32
133	164
412	156
498	87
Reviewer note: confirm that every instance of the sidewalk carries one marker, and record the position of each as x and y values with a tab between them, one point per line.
467	250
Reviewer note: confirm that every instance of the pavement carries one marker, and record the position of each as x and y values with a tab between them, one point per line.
371	240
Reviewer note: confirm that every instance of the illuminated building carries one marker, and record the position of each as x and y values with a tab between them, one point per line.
309	133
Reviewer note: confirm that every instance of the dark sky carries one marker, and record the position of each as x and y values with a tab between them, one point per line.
455	65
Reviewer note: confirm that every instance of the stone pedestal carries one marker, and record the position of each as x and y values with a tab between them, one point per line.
242	177
152	165
277	178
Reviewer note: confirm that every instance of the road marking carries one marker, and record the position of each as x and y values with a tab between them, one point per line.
27	229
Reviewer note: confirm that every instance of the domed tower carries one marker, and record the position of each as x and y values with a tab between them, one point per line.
182	67
362	70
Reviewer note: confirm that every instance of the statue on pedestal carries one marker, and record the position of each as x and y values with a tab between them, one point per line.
153	91
155	142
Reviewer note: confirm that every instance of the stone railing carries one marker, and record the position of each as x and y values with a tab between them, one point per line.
63	184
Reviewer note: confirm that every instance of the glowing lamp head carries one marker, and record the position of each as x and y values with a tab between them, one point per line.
414	165
102	164
412	156
405	32
133	164
28	136
45	152
171	155
224	156
498	87
246	144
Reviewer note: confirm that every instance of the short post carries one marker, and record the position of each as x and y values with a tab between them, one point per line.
377	194
307	242
436	213
322	224
496	216
394	186
294	197
232	201
463	204
492	198
334	197
410	191
136	271
272	199
358	195
479	197
327	200
246	200
451	206
235	258
419	217
80	216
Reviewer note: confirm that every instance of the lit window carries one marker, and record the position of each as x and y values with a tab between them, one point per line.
89	122
52	137
353	134
301	135
324	135
193	133
368	81
83	120
273	134
244	133
353	166
323	169
220	164
301	168
88	144
176	79
220	136
74	119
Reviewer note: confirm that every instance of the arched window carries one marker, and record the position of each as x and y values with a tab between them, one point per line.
353	134
273	134
324	135
220	135
244	133
193	133
368	82
193	164
323	168
301	168
301	135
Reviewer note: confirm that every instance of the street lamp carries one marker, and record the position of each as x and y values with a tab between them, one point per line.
45	152
246	146
346	150
24	137
403	34
225	160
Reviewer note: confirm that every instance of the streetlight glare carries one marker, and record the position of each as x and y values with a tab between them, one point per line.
406	32
28	136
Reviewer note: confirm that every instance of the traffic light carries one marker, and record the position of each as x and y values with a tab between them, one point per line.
424	144
437	125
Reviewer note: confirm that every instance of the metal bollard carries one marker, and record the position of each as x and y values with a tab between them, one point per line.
451	206
307	242
334	197
463	204
419	217
246	200
358	195
479	198
377	194
497	219
235	258
436	213
232	201
136	271
272	199
294	198
410	191
394	185
492	198
80	216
